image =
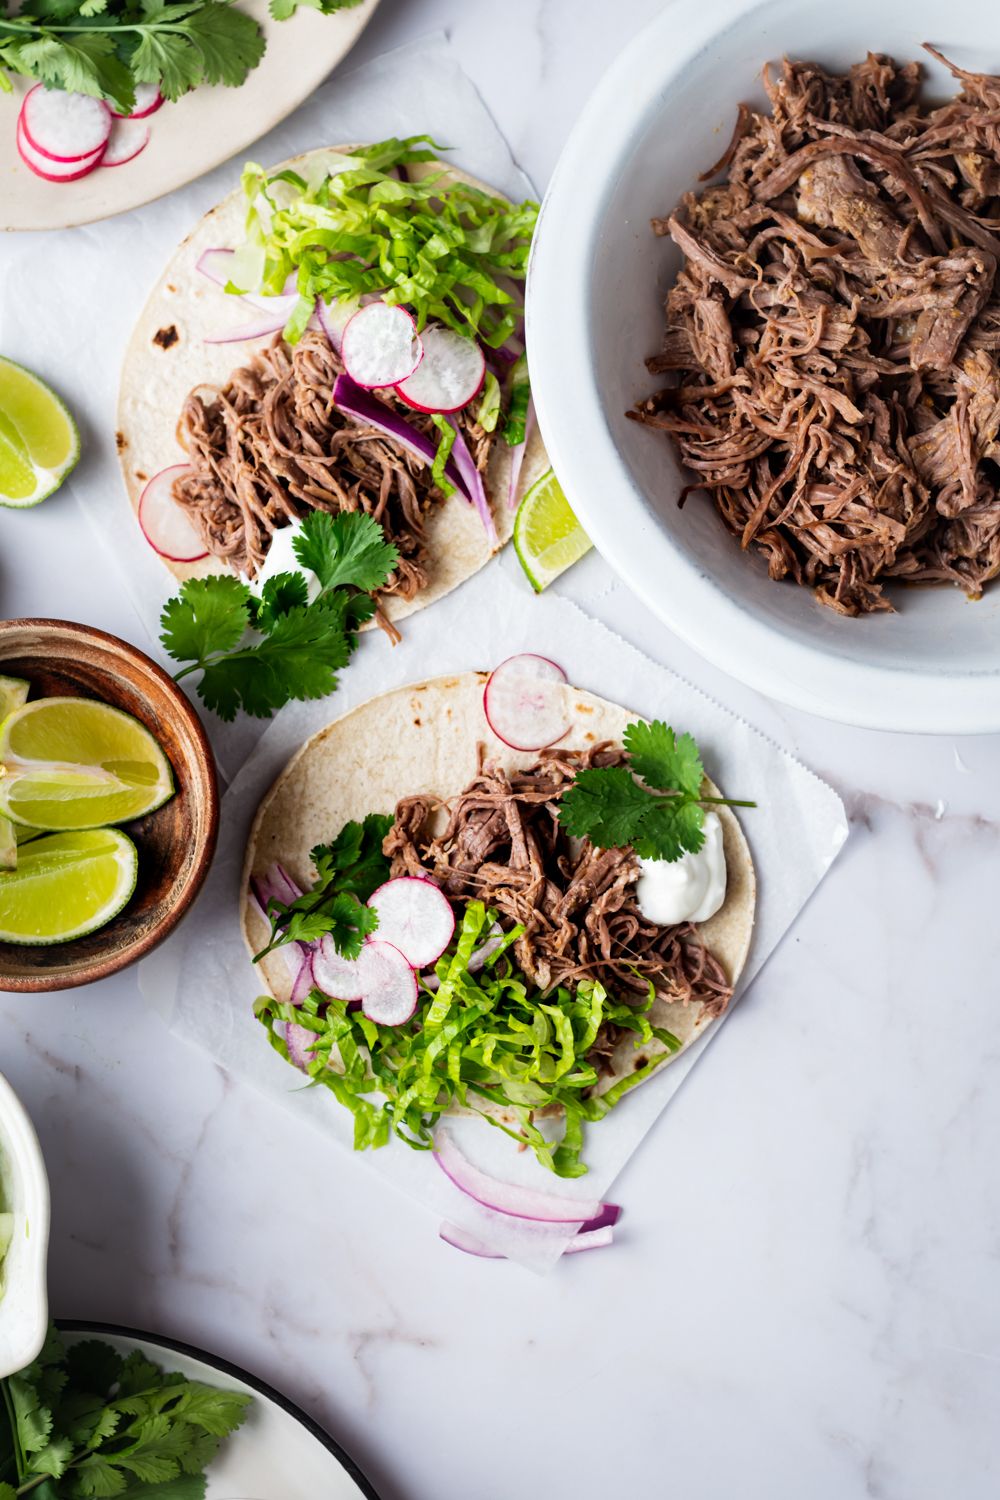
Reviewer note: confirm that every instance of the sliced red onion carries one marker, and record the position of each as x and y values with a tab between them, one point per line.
336	976
472	483
416	917
356	402
508	1197
271	319
471	1244
304	981
300	1042
216	263
517	456
334	318
520	705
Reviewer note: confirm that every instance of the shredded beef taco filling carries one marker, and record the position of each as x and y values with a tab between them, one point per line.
504	845
270	446
833	334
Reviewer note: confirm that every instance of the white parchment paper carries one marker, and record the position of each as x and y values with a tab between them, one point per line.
109	269
203	983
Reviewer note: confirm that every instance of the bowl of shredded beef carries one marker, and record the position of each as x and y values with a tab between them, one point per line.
764	314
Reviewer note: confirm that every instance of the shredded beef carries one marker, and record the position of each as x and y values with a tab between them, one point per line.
505	846
832	338
270	446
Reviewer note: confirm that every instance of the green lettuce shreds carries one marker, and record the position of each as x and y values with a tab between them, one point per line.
516	426
485	1036
348	225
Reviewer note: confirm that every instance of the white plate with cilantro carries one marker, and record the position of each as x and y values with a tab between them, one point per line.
144	1416
206	58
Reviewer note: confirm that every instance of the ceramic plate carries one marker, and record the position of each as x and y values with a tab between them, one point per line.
278	1454
190	137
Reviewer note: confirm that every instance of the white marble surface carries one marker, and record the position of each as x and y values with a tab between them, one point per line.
806	1297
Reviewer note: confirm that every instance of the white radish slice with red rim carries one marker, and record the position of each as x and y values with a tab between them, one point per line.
449	376
64	127
300	1041
54	171
165	525
335	975
415	916
381	345
523	703
509	1197
147	101
127	139
388	983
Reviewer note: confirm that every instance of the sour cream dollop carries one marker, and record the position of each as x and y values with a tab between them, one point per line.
689	889
281	559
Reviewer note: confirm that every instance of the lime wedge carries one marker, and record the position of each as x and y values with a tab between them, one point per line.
547	536
39	441
70	763
66	885
8	845
13	693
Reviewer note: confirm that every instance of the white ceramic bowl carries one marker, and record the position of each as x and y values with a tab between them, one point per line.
595	291
24	1308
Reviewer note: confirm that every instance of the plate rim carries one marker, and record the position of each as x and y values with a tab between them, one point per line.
236	1372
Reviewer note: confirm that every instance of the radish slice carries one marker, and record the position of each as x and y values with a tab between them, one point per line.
127	139
64	127
463	1239
521	704
147	101
54	171
336	976
389	985
381	345
165	525
449	376
300	1042
415	917
507	1197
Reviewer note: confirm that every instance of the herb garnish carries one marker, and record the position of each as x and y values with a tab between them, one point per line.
301	646
88	1422
483	1036
106	47
608	806
347	872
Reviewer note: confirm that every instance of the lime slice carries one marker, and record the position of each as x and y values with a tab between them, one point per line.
67	885
8	845
39	441
73	763
547	536
13	693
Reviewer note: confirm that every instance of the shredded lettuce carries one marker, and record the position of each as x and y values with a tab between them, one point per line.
350	225
483	1036
516	426
445	444
488	413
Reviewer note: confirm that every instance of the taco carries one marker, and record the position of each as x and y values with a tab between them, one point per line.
236	420
556	993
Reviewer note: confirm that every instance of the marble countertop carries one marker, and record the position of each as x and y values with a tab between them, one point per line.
806	1296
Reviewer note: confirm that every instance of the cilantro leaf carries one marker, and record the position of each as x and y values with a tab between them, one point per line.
662	760
282	9
347	871
209	614
348	549
662	816
281	593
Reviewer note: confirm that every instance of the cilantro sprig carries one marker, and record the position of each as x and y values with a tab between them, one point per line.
257	654
85	1421
347	872
662	815
105	47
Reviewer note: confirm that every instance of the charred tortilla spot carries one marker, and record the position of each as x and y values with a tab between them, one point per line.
166	338
121	442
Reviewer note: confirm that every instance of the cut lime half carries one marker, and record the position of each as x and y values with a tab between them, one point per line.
68	763
39	441
66	885
547	536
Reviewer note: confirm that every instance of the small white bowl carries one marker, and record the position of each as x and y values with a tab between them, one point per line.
596	285
24	1305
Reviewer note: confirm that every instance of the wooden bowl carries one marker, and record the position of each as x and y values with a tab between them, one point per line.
175	843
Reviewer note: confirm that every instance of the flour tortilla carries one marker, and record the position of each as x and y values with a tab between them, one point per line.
167	357
423	739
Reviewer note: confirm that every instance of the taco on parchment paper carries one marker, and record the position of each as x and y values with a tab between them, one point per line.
251	427
580	994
